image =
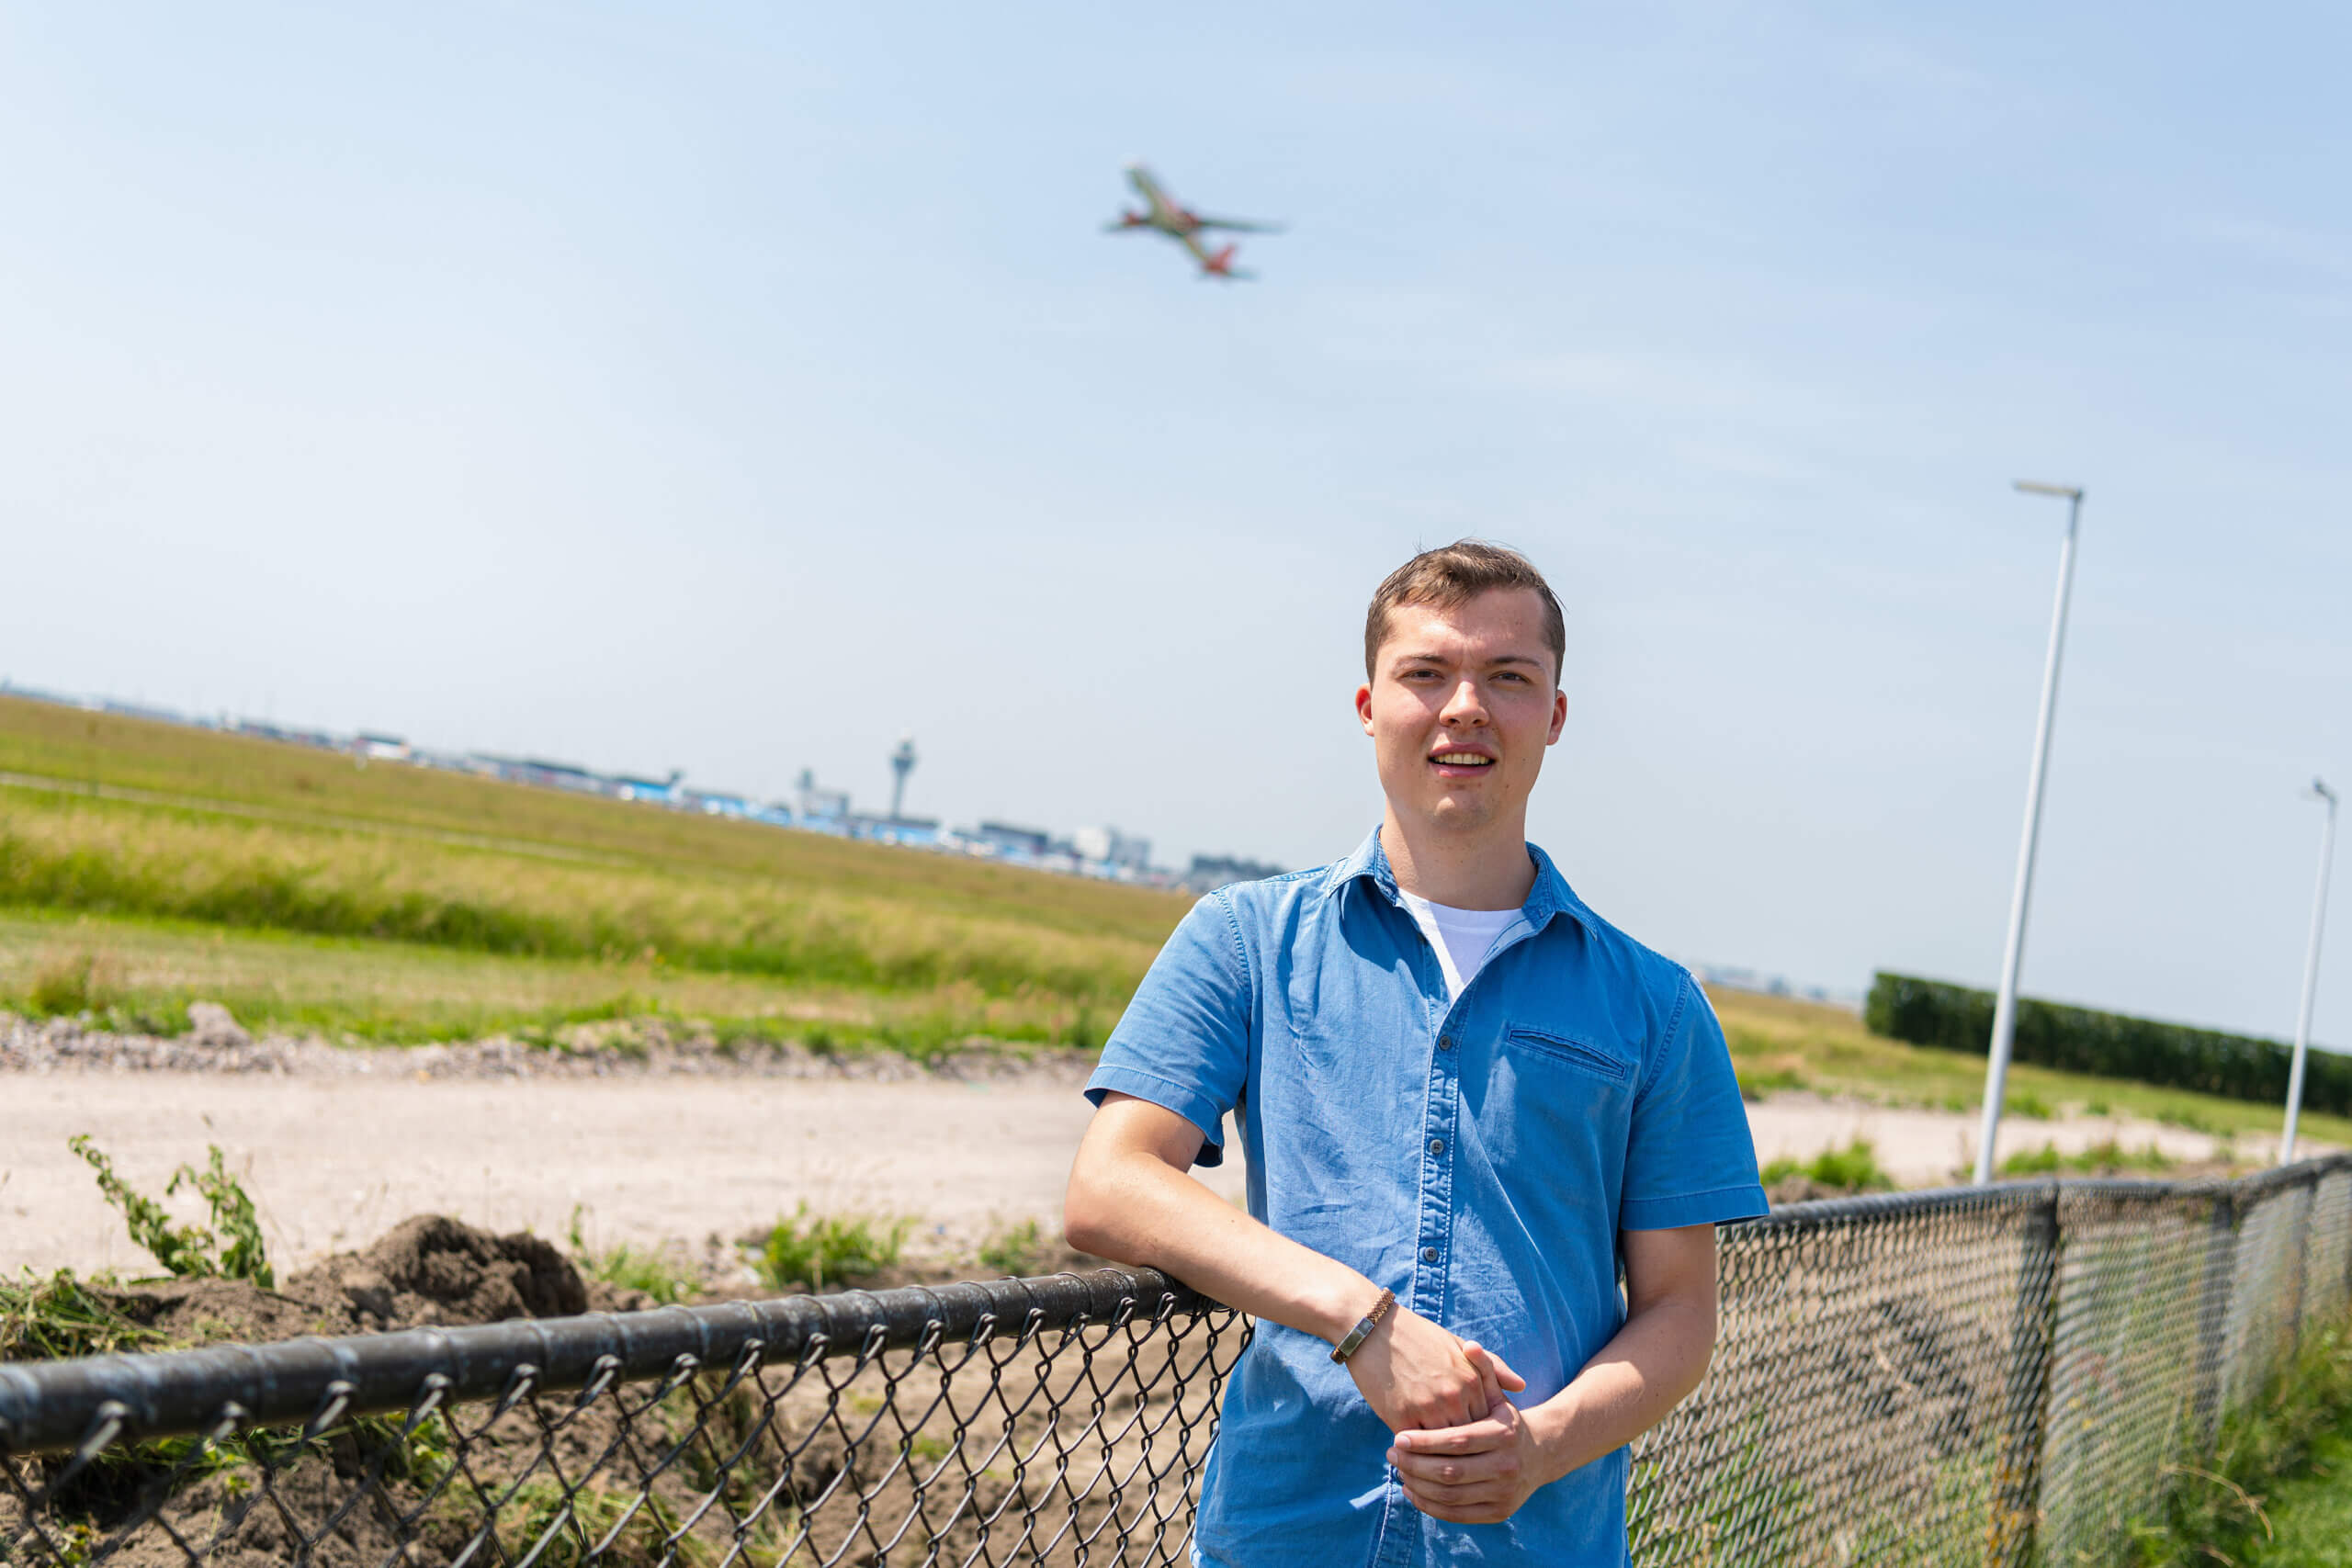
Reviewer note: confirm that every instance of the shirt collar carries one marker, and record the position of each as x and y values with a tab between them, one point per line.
1551	894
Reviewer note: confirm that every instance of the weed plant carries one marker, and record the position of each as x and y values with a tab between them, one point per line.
811	1251
1017	1249
61	1316
2105	1157
189	1251
668	1279
1853	1168
560	1523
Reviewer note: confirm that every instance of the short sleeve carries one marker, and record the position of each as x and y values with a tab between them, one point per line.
1184	1043
1689	1160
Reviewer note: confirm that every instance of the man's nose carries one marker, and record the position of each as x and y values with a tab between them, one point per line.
1464	707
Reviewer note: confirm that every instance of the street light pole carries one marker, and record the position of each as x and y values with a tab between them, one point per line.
2311	976
2005	1010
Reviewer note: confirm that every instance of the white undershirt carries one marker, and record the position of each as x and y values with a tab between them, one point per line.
1463	937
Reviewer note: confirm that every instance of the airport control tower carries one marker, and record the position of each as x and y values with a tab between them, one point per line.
902	762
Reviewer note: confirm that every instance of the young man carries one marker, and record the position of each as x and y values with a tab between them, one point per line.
1467	1102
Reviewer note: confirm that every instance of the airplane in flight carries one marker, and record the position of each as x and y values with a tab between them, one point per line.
1184	226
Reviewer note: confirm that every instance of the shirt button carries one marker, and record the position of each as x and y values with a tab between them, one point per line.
1428	1254
1445	1042
1437	1145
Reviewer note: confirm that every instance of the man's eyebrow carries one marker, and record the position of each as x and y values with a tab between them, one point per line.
1425	656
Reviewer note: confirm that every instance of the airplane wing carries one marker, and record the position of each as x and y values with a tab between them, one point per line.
1237	225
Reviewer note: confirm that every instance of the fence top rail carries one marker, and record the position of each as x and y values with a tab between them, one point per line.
2003	1197
46	1407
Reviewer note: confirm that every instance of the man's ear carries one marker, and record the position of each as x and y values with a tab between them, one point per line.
1559	714
1363	708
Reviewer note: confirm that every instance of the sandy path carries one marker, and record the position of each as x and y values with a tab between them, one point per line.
1938	1148
335	1162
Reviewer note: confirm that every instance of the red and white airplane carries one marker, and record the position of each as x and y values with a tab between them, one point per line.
1184	226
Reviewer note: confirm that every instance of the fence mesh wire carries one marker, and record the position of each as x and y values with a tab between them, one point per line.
1998	1376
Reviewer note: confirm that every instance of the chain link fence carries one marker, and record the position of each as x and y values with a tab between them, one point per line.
2001	1376
1996	1376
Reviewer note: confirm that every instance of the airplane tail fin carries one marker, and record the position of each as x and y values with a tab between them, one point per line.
1221	264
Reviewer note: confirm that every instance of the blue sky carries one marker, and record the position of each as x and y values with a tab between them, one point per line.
734	389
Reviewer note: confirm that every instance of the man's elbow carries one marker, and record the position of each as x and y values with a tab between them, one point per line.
1090	1214
1694	1323
1082	1224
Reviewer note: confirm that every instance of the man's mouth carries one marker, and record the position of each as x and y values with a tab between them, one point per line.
1462	759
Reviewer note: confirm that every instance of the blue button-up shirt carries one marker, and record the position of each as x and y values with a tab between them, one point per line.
1477	1157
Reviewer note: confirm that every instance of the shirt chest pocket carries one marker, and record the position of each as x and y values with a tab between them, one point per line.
1555	1110
1547	1050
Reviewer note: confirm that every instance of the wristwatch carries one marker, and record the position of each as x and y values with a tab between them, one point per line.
1363	1330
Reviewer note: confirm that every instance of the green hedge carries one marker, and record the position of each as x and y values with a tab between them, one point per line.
2076	1040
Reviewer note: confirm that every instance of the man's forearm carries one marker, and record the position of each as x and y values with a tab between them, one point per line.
1643	1371
1131	1207
1132	1200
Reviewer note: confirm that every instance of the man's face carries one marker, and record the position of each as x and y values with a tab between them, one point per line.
1461	704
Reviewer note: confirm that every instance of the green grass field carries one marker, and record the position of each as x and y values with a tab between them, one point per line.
393	903
145	865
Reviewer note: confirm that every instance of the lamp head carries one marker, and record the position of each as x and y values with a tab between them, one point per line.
2320	791
2064	493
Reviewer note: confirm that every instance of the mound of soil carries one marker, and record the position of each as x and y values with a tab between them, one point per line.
427	1270
210	1311
431	1269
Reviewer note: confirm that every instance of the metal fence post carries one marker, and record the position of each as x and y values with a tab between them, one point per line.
2308	1192
2017	1499
2212	1321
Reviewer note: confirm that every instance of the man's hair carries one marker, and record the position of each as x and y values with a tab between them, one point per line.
1453	574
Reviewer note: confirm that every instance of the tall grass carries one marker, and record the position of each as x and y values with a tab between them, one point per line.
80	981
110	858
2217	1510
232	777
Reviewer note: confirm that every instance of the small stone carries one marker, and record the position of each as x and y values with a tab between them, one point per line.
211	1026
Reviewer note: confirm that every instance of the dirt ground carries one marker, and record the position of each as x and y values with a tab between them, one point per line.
335	1162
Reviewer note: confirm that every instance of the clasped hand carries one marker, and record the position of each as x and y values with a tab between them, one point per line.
1463	1453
